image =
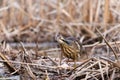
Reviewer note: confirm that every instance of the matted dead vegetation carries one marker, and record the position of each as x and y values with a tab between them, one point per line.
28	48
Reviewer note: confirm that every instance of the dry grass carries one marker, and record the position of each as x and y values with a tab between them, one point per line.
43	19
36	23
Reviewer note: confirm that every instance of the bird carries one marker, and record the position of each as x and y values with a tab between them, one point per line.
70	47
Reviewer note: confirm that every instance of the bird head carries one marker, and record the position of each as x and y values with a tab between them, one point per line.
60	39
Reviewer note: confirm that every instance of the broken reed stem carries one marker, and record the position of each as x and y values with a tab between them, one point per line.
8	64
97	10
32	64
106	13
58	11
108	44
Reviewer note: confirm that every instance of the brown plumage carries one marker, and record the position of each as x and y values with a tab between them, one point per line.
69	48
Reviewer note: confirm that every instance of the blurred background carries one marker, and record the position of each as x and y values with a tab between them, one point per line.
41	20
37	22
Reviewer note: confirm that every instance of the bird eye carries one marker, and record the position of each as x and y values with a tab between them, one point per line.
65	41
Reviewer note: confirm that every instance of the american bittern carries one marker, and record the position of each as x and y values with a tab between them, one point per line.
69	48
